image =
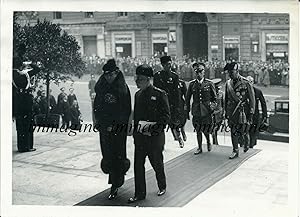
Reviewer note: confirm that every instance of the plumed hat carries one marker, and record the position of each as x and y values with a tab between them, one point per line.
144	70
110	66
165	59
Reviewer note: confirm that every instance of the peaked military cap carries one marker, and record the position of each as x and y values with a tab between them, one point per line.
165	59
144	70
216	81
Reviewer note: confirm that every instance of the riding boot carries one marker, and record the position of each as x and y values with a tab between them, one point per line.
199	139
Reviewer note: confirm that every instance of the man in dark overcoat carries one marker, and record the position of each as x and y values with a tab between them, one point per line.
168	81
204	99
239	108
257	120
151	114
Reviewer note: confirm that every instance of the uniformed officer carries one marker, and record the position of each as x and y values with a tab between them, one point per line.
218	114
204	101
239	108
23	82
151	114
257	121
168	81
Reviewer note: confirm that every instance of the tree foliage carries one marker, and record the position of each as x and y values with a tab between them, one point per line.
47	43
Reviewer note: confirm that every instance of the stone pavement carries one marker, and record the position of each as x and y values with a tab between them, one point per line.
65	170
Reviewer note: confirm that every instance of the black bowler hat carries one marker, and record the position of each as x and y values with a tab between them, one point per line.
144	70
110	66
231	66
198	64
165	59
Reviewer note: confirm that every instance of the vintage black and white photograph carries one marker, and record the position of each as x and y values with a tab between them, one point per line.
156	109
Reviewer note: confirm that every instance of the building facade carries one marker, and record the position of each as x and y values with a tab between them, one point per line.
212	36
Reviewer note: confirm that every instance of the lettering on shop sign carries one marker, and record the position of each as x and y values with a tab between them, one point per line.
159	38
277	38
231	39
123	39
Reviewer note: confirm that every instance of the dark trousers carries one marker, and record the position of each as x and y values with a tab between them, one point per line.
113	148
216	128
151	146
24	127
65	122
202	125
239	135
253	138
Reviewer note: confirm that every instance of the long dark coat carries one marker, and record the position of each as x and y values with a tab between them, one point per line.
112	108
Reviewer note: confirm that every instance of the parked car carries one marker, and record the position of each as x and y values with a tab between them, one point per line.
279	117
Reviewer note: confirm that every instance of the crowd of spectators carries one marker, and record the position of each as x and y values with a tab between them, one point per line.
274	72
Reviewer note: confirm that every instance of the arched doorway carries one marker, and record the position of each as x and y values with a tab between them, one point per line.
195	35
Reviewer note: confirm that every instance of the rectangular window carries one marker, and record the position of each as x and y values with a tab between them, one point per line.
122	14
57	15
88	14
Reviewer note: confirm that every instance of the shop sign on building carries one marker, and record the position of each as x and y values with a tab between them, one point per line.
279	38
159	38
123	39
231	41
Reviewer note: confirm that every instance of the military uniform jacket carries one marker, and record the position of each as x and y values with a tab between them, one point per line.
151	105
243	94
204	94
169	83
